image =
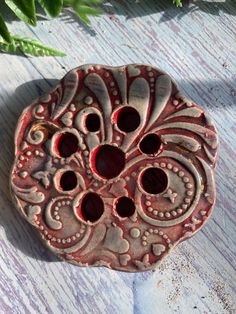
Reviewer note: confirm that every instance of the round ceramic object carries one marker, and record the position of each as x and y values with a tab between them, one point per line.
114	167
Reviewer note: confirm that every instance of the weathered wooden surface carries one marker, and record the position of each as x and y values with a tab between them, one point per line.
196	45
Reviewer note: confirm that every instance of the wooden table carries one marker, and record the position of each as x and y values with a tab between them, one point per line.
197	46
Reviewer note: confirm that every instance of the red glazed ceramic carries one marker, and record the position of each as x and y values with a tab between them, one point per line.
114	167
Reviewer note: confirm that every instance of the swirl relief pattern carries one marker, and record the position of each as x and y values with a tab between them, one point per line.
114	167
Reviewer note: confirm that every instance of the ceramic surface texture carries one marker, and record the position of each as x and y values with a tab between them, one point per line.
114	167
196	46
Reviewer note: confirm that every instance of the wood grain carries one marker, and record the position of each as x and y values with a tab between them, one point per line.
197	46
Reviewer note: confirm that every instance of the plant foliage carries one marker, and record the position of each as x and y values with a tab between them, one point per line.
178	3
25	10
52	8
29	46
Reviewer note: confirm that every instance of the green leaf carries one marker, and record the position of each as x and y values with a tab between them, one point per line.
83	11
83	8
51	7
24	10
178	3
9	48
29	46
77	3
4	32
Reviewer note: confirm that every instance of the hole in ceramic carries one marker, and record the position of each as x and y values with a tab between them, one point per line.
108	161
128	119
68	181
150	144
92	122
91	208
66	144
125	207
154	180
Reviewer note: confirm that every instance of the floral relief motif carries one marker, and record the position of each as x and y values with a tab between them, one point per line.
114	165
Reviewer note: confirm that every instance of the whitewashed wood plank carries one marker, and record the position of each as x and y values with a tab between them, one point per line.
198	49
